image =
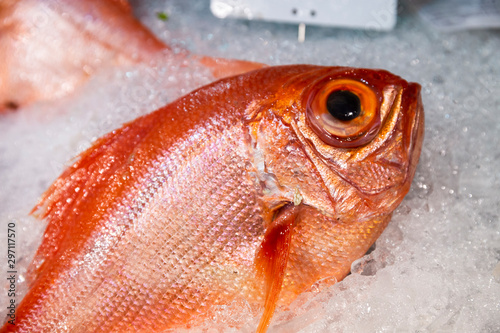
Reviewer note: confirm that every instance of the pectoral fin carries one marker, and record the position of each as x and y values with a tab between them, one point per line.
272	258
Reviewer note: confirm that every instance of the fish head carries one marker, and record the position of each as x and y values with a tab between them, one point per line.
343	140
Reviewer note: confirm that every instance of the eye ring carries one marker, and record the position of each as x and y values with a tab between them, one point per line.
350	126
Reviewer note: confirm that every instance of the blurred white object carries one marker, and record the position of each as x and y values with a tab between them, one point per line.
302	32
361	14
454	15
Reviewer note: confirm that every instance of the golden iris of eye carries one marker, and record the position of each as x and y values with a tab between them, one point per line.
344	113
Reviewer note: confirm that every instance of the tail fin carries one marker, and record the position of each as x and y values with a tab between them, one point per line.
221	67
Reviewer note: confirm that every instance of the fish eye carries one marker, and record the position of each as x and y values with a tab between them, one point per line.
344	113
343	105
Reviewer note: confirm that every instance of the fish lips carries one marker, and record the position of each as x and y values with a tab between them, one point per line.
415	126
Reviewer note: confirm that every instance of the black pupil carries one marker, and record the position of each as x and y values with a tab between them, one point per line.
343	105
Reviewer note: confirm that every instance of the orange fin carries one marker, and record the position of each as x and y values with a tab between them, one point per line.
89	174
221	67
272	259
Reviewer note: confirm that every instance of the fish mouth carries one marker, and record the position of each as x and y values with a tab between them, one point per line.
414	127
397	147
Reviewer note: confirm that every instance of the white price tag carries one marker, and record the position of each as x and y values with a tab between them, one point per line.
359	14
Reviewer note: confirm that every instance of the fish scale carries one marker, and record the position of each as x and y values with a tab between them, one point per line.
139	238
214	236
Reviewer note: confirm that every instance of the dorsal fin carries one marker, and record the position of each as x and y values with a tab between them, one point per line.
272	259
90	174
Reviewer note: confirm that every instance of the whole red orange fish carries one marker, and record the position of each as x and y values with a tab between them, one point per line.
253	187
